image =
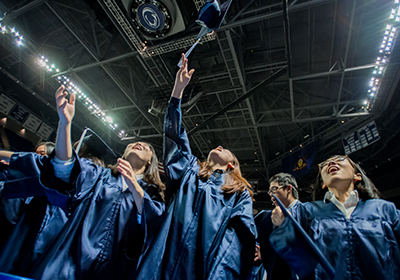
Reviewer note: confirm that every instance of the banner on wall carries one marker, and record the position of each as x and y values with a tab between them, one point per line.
32	123
19	113
299	163
6	104
44	131
24	117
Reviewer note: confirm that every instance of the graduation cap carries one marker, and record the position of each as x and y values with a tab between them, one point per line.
91	144
211	16
311	245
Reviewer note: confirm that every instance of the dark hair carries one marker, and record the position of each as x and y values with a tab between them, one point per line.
234	182
88	152
284	180
151	174
48	145
366	188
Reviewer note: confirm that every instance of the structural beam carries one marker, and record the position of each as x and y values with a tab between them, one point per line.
286	122
19	12
346	55
333	72
108	71
266	16
269	80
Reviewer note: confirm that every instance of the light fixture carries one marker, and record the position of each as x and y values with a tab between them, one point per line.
93	108
383	59
11	31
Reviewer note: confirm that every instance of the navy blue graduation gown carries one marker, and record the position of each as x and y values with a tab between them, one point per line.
206	235
365	246
37	222
274	265
102	238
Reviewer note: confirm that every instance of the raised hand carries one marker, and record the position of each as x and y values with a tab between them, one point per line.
65	109
125	168
182	78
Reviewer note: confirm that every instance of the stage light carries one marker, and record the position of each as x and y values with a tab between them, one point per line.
383	59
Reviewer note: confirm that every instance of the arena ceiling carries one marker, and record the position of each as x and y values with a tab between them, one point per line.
304	66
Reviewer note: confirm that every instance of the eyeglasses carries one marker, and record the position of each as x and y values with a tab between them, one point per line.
335	159
274	189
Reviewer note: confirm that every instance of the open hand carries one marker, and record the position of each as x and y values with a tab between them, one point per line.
125	168
183	76
65	108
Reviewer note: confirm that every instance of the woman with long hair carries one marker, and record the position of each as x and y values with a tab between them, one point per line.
112	214
355	230
209	232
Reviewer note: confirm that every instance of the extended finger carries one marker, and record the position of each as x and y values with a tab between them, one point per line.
61	99
60	90
128	169
63	105
123	173
191	73
72	99
184	62
123	166
124	162
123	170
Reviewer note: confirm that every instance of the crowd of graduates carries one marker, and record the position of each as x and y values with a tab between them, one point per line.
70	217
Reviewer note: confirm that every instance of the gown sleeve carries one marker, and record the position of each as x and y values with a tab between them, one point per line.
23	178
151	218
84	176
178	156
396	226
236	253
290	246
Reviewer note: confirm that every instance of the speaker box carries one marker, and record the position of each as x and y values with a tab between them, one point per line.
158	19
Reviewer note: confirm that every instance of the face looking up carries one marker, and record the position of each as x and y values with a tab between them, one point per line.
338	170
138	153
220	156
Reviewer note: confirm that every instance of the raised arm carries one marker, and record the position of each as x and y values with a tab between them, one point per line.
177	152
66	112
182	79
173	117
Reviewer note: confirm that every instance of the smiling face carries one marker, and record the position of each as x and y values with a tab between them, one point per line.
338	172
220	156
138	154
281	192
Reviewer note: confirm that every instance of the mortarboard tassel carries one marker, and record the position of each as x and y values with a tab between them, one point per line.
188	52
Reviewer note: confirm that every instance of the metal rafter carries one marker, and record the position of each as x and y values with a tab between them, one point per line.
105	68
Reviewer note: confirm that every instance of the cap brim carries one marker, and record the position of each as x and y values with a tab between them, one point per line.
96	146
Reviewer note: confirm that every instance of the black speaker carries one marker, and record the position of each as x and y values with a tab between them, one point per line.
158	19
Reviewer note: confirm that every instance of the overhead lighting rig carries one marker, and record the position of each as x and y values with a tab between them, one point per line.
383	58
153	19
92	107
6	30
